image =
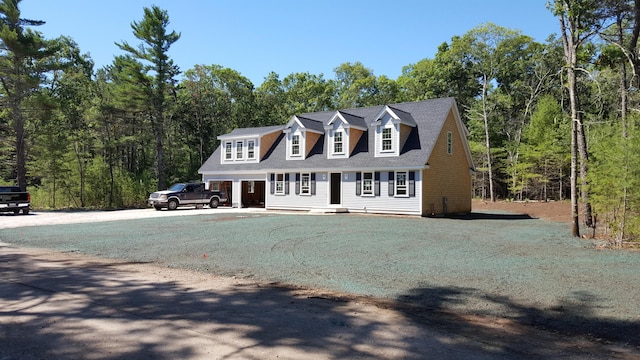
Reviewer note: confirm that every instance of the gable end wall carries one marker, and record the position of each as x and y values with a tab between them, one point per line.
447	176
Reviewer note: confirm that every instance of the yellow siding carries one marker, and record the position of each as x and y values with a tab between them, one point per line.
448	175
311	140
354	137
266	142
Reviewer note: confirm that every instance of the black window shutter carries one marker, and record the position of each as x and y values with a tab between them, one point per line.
391	179
412	183
376	188
273	184
297	183
313	183
286	184
358	183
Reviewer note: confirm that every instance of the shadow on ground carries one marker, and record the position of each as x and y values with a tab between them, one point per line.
569	326
43	308
58	309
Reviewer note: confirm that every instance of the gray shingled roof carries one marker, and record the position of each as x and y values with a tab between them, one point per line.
354	119
404	116
312	124
428	115
252	131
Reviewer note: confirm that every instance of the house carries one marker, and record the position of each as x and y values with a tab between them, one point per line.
408	158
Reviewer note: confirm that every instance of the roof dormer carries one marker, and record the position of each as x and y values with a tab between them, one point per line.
301	135
392	128
343	132
247	145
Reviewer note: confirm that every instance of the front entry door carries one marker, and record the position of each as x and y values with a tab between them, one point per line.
336	186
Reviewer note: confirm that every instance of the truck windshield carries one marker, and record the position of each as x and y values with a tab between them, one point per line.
176	187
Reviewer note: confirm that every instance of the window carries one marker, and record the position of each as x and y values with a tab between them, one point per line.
337	142
449	143
401	183
227	151
387	144
280	184
251	187
305	184
367	183
215	186
295	145
251	149
239	150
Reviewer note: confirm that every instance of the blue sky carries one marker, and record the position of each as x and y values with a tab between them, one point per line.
255	37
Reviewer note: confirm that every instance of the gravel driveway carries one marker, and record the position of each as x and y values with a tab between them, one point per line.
493	265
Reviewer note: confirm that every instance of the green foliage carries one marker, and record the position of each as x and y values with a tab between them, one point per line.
357	86
22	51
159	70
544	155
615	179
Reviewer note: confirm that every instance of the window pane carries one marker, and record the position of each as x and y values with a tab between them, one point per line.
367	183
304	184
386	139
401	183
337	142
227	149
251	150
239	152
280	184
295	145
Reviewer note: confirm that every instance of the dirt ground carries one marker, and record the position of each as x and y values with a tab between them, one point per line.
71	306
557	211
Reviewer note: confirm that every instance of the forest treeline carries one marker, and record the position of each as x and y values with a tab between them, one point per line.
556	120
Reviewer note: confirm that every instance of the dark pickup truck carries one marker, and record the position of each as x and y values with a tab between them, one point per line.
13	199
186	194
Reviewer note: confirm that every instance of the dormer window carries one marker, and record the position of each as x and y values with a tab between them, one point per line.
251	149
295	145
228	155
244	150
387	142
338	142
393	127
239	150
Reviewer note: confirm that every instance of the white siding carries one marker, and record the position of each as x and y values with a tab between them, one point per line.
383	203
350	201
299	202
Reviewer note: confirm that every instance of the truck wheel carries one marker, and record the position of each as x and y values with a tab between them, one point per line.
214	203
158	207
25	211
172	204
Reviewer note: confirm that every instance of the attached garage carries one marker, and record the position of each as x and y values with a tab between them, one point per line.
253	193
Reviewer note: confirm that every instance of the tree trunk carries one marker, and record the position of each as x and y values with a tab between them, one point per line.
571	59
21	157
575	230
584	182
159	132
486	136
